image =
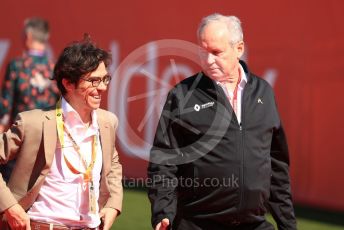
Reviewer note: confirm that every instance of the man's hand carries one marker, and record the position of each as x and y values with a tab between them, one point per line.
2	128
163	225
17	218
108	216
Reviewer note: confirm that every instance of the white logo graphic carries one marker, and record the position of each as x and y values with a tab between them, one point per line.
207	105
197	107
260	101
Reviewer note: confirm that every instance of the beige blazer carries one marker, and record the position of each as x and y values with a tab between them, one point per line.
32	141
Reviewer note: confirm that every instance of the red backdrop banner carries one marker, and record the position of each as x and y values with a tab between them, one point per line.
296	45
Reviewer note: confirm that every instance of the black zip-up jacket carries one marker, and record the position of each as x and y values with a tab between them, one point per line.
204	165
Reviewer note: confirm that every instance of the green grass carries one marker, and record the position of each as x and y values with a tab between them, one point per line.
136	215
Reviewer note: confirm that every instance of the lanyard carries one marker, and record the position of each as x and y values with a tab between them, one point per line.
61	128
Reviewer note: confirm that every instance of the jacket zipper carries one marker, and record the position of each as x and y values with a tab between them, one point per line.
241	132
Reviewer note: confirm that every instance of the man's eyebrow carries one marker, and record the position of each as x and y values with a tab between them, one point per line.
106	75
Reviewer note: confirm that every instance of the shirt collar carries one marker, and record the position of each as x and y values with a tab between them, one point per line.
72	116
243	80
37	53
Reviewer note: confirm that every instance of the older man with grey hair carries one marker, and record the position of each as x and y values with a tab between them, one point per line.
220	157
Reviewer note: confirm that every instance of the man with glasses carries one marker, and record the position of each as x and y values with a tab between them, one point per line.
67	174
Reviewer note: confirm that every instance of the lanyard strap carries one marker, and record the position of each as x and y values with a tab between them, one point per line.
61	128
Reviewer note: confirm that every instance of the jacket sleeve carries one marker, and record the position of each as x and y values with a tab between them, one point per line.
10	143
280	202
161	170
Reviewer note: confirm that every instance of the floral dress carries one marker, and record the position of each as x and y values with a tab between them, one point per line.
27	85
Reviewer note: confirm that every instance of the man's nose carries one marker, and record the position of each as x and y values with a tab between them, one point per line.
102	86
210	58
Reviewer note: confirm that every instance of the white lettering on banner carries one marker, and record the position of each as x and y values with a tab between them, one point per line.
4	45
112	89
270	75
156	92
144	63
121	106
135	66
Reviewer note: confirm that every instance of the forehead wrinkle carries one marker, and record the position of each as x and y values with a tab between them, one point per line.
214	34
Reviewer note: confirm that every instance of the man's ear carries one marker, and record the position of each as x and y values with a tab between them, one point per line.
69	86
240	47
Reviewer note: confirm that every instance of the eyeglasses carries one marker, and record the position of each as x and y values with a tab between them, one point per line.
96	80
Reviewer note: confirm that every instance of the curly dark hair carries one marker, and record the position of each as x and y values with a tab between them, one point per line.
77	60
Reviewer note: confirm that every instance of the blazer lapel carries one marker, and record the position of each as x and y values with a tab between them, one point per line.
104	139
50	138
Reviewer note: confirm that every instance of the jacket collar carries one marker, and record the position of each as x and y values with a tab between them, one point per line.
247	71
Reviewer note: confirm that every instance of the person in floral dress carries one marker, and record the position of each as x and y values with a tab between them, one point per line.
27	83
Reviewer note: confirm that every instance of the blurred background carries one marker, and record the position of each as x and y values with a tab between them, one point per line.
298	46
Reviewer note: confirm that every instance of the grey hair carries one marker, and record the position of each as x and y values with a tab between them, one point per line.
233	25
38	27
